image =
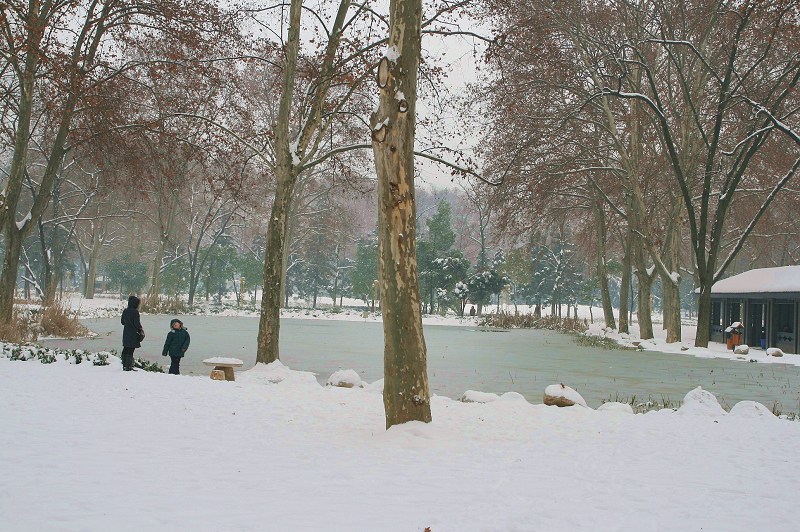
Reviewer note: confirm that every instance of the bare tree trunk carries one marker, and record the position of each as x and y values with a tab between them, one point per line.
52	283
269	323
8	280
624	289
406	395
92	273
164	231
703	316
644	280
602	272
644	310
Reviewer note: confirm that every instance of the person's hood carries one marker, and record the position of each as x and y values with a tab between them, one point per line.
173	321
133	302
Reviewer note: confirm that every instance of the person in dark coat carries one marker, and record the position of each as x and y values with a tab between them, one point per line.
176	345
132	332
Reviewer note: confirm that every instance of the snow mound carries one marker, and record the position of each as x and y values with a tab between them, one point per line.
701	402
561	395
273	373
751	409
774	352
344	378
741	349
472	396
613	406
513	397
375	387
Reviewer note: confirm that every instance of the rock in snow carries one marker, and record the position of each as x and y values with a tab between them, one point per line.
751	409
741	349
774	352
344	378
560	395
613	406
701	402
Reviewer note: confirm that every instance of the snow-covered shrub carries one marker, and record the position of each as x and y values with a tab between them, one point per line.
147	365
513	396
701	402
46	357
751	409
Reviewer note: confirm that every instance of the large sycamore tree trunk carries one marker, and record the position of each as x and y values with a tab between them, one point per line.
270	322
670	280
165	224
405	395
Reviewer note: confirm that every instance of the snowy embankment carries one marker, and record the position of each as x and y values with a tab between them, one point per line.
112	307
686	345
93	448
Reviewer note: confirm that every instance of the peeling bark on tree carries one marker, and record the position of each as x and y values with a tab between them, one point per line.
270	321
406	395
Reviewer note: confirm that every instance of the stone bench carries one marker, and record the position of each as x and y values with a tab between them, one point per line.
223	367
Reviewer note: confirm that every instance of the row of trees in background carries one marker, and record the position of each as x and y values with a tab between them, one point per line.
662	134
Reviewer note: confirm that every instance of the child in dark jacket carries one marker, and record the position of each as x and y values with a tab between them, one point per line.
176	345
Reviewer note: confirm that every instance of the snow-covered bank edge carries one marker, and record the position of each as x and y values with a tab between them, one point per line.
277	372
52	355
686	345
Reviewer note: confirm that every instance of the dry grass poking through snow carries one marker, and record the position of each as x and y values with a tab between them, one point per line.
506	320
18	330
29	323
158	305
59	320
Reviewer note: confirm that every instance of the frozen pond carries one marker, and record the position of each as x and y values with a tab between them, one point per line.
466	358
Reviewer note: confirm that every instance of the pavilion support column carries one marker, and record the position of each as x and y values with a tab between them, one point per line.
769	329
796	329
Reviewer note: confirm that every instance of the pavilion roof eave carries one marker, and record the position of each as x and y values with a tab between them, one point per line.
755	295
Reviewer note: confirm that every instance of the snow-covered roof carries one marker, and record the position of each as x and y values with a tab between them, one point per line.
781	280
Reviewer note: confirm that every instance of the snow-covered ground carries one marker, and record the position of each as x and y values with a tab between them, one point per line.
92	448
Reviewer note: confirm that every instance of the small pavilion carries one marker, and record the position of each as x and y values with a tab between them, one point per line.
766	301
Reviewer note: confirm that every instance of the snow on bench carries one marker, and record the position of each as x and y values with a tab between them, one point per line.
223	367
